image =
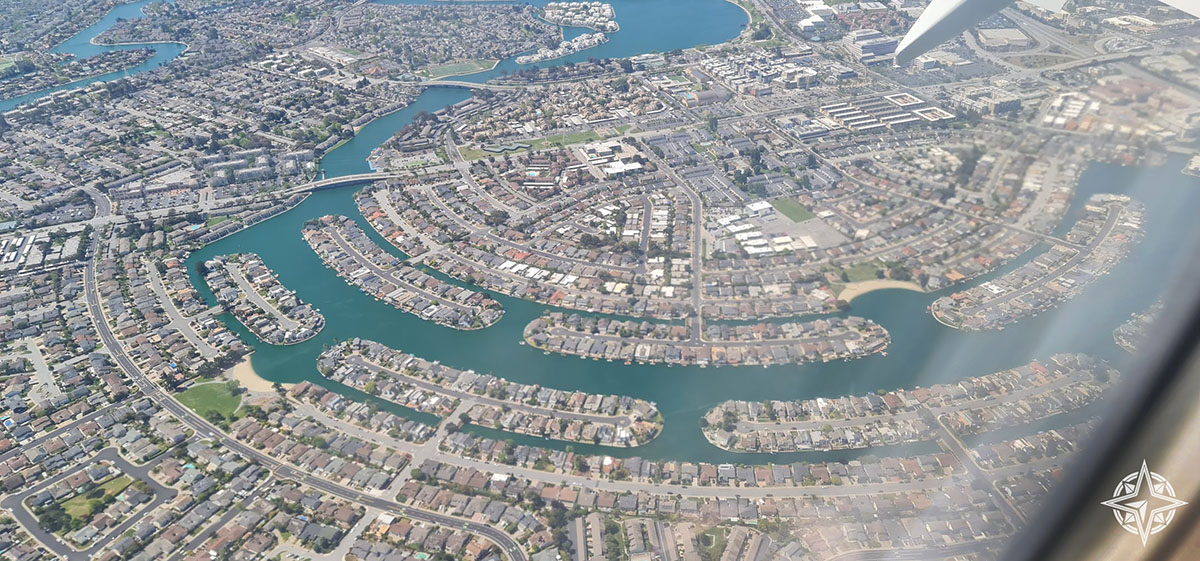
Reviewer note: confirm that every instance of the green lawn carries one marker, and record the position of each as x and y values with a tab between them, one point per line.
558	140
564	139
712	543
77	506
863	271
213	396
214	220
792	209
469	153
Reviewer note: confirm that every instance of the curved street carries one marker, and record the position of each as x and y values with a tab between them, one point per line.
512	550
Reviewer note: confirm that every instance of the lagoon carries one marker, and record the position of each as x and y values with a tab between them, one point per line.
922	352
81	46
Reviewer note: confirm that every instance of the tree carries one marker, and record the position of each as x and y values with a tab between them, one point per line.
53	518
590	241
899	272
95	506
496	218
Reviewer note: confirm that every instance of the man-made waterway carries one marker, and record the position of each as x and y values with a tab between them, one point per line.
81	46
647	26
922	352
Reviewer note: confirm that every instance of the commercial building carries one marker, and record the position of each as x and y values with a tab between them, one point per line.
865	44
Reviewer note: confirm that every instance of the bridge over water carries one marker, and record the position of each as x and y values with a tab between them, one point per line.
342	181
472	85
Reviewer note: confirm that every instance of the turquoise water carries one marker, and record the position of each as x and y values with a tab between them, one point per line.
80	45
923	351
647	26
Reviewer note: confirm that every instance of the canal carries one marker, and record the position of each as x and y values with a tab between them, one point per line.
922	352
81	46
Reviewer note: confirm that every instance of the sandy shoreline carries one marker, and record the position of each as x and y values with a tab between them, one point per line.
856	289
244	373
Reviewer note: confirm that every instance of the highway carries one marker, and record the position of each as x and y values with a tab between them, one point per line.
510	548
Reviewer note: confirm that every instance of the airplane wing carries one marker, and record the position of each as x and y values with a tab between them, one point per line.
1051	5
945	19
1192	7
942	20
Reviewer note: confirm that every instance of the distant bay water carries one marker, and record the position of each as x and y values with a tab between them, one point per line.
923	352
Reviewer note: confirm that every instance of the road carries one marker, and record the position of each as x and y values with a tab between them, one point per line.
429	451
1111	222
501	242
24	446
46	386
179	322
391	275
15	504
212	529
979	403
339	181
696	215
844	336
956	447
285	323
469	397
510	548
949	208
